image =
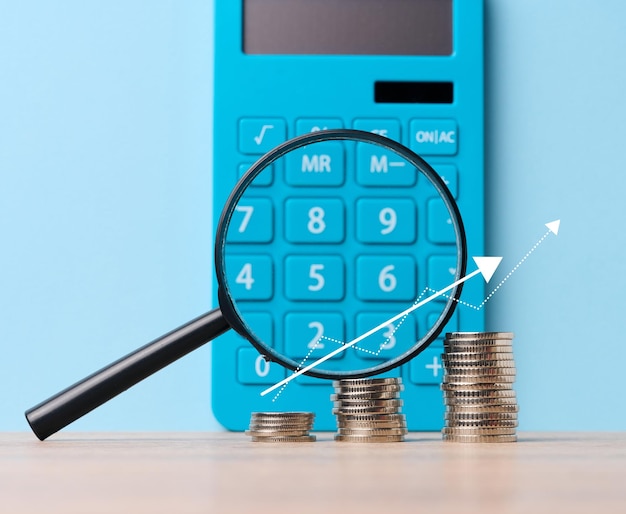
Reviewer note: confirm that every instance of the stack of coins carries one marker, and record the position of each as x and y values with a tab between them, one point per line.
479	372
281	427
368	410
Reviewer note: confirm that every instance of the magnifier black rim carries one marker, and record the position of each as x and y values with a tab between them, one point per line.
230	311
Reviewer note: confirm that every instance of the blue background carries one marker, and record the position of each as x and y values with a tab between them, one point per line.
105	202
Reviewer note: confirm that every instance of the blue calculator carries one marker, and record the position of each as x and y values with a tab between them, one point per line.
411	71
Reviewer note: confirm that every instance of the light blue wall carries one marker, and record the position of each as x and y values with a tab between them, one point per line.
105	201
556	97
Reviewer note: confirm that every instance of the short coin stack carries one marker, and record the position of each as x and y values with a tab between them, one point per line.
281	427
479	372
368	410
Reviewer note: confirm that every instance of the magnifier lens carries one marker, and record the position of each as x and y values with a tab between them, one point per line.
328	243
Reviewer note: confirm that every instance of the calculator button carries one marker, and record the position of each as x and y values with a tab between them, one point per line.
386	277
321	164
382	168
427	367
261	325
308	125
433	137
386	220
388	341
313	334
384	127
441	273
451	326
314	220
252	221
439	227
263	179
315	277
250	276
450	177
260	135
252	368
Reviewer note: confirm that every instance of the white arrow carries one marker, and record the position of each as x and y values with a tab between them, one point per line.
486	266
553	226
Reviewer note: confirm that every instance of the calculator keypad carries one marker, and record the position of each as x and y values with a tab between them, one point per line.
334	225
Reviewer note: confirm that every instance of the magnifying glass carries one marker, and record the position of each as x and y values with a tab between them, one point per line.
319	241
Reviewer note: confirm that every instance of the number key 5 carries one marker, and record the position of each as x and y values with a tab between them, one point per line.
318	277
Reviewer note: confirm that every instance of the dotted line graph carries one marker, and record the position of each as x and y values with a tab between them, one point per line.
495	289
553	227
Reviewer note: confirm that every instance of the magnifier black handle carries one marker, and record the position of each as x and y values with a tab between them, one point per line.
77	400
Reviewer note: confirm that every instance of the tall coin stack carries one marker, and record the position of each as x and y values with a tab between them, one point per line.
479	371
368	410
281	427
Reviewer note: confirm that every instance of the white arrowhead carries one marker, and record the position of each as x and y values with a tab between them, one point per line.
487	266
553	226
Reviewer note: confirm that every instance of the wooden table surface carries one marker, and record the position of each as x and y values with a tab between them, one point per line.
226	472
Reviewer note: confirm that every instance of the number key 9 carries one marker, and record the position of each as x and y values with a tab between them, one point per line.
386	220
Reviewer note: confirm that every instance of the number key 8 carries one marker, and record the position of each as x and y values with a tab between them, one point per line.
314	220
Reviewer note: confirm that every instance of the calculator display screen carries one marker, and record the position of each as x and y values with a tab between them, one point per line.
361	27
